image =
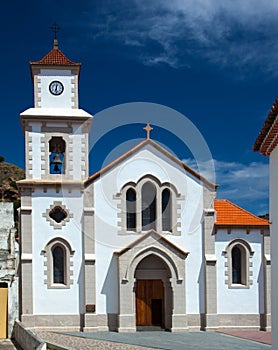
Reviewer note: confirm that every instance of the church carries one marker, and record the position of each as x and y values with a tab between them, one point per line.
142	244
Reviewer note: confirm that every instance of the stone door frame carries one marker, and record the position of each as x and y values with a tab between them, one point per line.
129	258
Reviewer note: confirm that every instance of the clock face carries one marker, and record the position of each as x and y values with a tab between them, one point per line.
56	87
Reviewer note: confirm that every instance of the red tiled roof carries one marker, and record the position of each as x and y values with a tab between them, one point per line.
55	57
230	214
268	137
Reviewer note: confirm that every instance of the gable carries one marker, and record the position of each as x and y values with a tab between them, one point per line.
149	240
149	151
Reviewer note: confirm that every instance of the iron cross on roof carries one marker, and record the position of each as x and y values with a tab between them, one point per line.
148	130
55	28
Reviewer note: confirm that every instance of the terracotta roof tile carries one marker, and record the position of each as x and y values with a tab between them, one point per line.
55	57
267	139
230	214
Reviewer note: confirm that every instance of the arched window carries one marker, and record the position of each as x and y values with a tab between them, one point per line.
59	264
166	206
58	256
131	209
57	148
236	265
148	206
238	253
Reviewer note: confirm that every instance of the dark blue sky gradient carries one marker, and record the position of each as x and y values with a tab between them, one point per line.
225	84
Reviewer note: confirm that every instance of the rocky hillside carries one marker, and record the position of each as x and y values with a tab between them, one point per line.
9	174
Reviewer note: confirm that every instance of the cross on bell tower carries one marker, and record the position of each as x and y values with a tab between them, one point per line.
55	28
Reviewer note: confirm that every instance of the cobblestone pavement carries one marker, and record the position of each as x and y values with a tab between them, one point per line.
77	343
151	340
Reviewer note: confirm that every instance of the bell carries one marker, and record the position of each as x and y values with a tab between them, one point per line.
57	159
57	162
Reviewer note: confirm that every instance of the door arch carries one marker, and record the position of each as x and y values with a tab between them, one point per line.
153	295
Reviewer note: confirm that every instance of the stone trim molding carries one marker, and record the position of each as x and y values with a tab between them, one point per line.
246	266
61	129
159	187
28	156
48	263
74	90
89	251
84	156
57	225
37	88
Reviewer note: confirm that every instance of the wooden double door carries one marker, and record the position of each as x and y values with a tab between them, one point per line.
150	303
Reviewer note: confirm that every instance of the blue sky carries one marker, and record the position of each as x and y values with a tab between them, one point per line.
214	62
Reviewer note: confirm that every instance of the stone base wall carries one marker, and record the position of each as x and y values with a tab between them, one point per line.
100	322
241	321
103	323
71	323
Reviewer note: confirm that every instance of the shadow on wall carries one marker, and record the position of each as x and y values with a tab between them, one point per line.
201	282
110	289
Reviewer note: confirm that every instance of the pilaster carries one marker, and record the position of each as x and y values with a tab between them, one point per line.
210	317
126	318
90	320
266	317
26	257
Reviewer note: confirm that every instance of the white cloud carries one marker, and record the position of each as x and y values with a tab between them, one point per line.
244	184
235	33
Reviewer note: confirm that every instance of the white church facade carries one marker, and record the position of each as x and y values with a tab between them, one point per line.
141	244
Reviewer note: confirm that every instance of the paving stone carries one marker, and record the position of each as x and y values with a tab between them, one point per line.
151	340
77	343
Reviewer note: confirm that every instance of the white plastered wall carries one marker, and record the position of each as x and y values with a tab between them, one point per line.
64	100
146	161
242	300
57	301
274	243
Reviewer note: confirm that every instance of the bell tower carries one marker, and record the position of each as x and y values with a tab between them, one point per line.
56	130
52	211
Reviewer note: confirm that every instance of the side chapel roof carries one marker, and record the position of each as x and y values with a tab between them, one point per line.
230	214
